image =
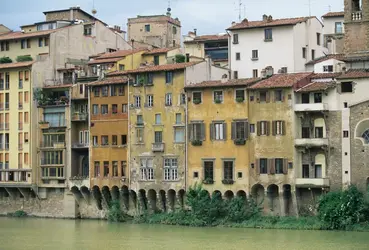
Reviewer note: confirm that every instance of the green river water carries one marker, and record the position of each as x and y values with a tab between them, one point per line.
40	234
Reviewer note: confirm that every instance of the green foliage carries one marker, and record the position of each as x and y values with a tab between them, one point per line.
180	58
240	99
115	213
208	181
24	58
196	101
239	141
240	209
218	101
196	143
5	60
19	214
342	210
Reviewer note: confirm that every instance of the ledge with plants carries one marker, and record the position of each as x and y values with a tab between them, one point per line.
218	101
196	143
228	182
240	142
196	101
208	181
240	99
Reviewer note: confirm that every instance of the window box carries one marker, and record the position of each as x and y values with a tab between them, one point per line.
218	101
240	99
239	142
196	101
208	181
44	125
196	143
228	182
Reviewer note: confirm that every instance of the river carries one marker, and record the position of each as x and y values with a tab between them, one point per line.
40	234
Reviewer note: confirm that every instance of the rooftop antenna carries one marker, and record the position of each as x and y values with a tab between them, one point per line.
93	11
239	9
169	9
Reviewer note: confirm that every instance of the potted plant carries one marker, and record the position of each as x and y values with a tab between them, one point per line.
240	141
208	181
196	143
196	101
240	99
228	182
218	101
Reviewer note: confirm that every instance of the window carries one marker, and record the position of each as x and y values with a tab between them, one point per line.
137	101
195	174
218	96
168	99
95	141
97	168
23	44
120	90
114	140
104	91
158	136
140	120
240	95
157	119
46	41
305	171
318	38
169	77
40	42
182	98
252	128
235	74
106	169
150	78
305	132
238	56
255	73
263	96
228	170
174	30
178	118
124	108
121	67
170	169
318	171
139	135
113	91
156	60
104	109
304	53
87	31
95	109
114	109
263	128
20	79
278	166
338	27
305	98
278	127
345	134
268	34
179	135
123	166
147	171
318	97
278	95
328	68
255	54
115	168
96	92
239	130
124	140
197	97
263	166
366	136
346	87
104	140
197	131
147	27
318	132
208	170
312	54
218	131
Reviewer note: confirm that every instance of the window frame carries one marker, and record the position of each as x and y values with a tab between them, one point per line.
224	161
205	171
268	34
243	94
216	98
170	169
168	99
193	96
235	39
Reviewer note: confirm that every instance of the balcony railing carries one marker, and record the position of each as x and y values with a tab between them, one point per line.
54	144
20	125
79	117
7	106
80	145
20	105
312	107
311	142
312	182
6	126
48	162
357	16
158	147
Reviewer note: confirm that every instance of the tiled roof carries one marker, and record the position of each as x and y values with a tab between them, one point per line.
158	51
325	75
228	83
15	65
281	81
327	57
58	86
317	86
245	24
165	67
110	80
205	38
114	56
22	35
106	60
354	74
334	14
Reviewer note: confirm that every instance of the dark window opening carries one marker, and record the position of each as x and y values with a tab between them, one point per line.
318	97
318	132
305	132
346	87
305	98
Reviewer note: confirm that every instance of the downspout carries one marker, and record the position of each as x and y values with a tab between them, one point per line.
128	123
229	55
89	133
186	131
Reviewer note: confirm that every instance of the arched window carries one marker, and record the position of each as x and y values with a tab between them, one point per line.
366	136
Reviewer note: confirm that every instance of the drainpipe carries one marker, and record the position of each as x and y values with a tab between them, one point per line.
229	55
89	134
186	133
129	124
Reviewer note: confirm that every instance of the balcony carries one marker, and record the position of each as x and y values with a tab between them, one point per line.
79	117
80	145
312	182
44	125
311	107
56	145
356	16
311	142
158	147
51	162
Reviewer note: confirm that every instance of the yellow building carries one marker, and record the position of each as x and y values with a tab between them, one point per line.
218	136
15	129
160	56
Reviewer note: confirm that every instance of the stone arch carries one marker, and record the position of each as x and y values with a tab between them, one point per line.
106	195
143	199
258	193
172	198
151	195
163	200
287	199
229	195
125	196
206	191
115	193
181	197
217	194
362	130
241	194
77	194
273	198
133	196
85	193
97	196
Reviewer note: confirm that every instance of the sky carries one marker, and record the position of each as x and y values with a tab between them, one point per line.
207	16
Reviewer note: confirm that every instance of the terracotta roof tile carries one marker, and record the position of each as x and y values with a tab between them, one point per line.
158	51
15	65
339	57
354	74
205	38
228	83
165	67
245	24
281	81
22	35
106	60
325	75
109	80
334	14
317	86
114	56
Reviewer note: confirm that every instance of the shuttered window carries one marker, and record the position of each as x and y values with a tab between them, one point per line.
218	131
228	170
263	128
278	128
272	166
240	130
196	131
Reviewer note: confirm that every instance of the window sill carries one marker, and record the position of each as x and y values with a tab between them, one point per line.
179	125
146	180
181	143
171	181
268	40
254	59
158	125
139	143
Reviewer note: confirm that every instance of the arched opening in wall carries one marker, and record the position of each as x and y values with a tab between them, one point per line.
32	194
76	193
228	195
125	196
206	192
97	196
181	197
85	167
287	199
133	197
362	131
106	195
258	193
143	199
217	195
3	192
163	200
152	199
241	194
115	193
172	198
273	198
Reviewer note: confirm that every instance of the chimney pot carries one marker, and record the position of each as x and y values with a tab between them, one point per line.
195	32
265	17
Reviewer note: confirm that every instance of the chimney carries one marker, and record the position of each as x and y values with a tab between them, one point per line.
224	78
233	23
270	18
265	17
195	32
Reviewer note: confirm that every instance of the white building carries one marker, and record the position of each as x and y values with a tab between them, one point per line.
327	64
333	31
284	44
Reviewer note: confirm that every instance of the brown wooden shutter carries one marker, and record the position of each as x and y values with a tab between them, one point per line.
233	131
212	131
224	131
274	128
257	96
190	131
246	130
258	128
267	127
283	127
272	166
285	166
267	96
203	135
257	166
